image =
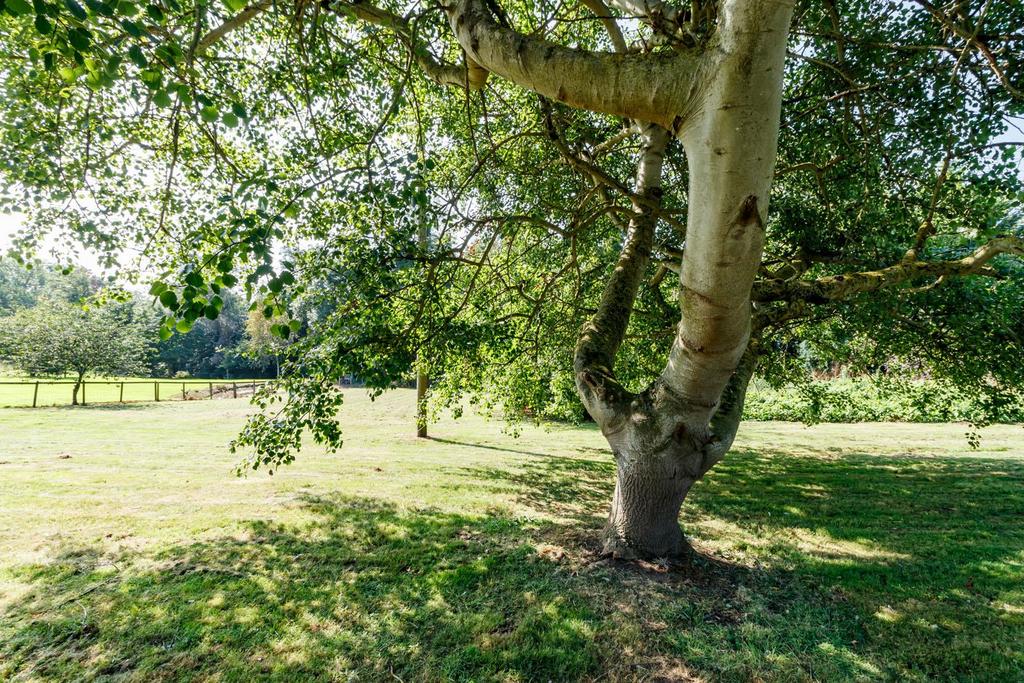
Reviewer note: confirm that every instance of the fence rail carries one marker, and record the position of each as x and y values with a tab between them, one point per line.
113	391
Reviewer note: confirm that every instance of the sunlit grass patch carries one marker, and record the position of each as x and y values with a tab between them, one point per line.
473	556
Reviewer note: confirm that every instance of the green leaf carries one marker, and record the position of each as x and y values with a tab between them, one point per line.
136	55
161	99
169	299
43	25
183	326
157	288
155	13
16	8
165	333
211	312
79	38
131	28
287	278
101	8
275	285
209	113
295	325
235	5
152	78
229	120
229	280
195	278
239	111
77	11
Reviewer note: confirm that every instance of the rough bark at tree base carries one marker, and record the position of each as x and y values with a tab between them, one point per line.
649	490
674	547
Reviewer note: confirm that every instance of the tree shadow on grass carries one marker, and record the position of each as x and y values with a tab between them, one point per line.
928	551
365	591
844	568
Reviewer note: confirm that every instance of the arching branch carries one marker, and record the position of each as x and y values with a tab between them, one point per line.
471	75
841	287
235	22
661	88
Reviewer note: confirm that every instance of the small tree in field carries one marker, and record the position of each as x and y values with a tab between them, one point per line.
59	339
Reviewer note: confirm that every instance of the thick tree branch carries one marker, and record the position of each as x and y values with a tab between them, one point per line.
600	10
235	22
602	335
840	287
471	76
662	88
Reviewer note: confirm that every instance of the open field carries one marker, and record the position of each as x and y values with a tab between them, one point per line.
19	392
129	551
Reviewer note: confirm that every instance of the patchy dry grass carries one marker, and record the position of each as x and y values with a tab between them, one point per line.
128	551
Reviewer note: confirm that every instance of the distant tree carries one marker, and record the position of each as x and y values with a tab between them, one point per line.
23	286
58	338
263	344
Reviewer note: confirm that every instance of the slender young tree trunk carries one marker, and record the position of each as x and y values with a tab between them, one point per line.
74	390
422	384
422	379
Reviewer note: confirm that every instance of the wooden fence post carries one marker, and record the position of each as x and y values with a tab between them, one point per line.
35	395
83	392
120	399
234	390
156	391
182	391
211	391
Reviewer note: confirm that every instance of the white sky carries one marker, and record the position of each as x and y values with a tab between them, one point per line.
12	223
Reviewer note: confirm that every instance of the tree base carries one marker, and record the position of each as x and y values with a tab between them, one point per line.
668	546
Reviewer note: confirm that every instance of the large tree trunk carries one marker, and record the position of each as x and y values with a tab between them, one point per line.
644	518
658	459
723	103
669	435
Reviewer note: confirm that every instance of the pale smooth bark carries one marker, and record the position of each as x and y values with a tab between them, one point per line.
668	436
731	150
657	87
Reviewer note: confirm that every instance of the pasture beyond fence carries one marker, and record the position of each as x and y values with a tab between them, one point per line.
35	394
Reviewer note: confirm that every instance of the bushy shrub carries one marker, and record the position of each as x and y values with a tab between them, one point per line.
868	399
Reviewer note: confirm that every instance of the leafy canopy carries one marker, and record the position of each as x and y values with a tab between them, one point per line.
211	137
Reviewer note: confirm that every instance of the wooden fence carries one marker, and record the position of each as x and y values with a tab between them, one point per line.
113	391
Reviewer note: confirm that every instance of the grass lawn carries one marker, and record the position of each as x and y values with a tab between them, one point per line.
129	551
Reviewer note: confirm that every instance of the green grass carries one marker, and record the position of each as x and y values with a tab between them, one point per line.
128	551
18	391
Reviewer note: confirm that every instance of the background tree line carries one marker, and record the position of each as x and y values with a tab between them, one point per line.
45	330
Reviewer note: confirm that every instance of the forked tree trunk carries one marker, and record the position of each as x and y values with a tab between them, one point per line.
723	103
